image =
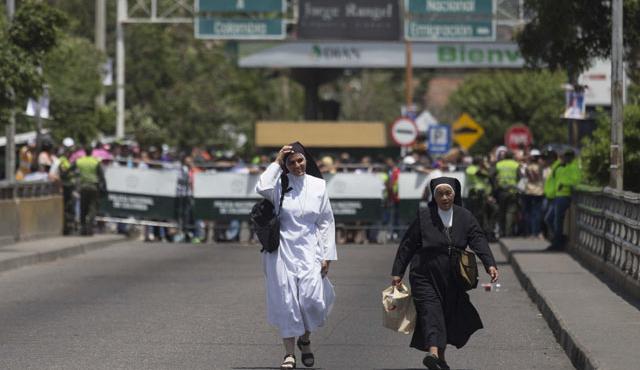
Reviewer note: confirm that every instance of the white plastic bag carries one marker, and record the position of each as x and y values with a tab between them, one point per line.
399	312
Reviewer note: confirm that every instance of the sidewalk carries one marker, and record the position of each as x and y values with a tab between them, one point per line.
30	252
596	328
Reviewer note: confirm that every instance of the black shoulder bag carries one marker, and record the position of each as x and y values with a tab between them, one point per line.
266	223
463	265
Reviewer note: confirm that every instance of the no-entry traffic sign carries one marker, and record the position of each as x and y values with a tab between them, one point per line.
404	131
518	135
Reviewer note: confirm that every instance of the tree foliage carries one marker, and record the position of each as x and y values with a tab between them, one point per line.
71	73
193	92
498	100
570	34
595	153
371	96
23	43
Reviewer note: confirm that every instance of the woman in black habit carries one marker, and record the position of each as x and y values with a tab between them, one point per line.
444	313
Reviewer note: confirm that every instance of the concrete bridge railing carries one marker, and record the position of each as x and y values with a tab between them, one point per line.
605	234
29	210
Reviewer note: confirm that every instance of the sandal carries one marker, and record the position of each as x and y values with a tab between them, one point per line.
307	358
289	362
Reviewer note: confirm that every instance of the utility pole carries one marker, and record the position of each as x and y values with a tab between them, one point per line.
10	130
122	15
617	69
409	74
100	38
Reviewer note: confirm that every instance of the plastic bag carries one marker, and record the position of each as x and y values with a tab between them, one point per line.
399	312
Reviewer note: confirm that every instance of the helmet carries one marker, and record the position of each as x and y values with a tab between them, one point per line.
68	142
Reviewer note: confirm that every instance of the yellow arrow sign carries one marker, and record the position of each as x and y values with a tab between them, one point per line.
466	131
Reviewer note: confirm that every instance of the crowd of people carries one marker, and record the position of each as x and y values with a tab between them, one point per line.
524	192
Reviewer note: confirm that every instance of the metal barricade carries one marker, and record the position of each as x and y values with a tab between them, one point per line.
27	189
606	234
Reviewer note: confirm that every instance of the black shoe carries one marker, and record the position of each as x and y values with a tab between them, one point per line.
443	365
432	362
307	358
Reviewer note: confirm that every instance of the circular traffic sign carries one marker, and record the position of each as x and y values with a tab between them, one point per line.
518	135
404	131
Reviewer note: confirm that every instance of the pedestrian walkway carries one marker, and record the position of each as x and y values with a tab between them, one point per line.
25	253
596	327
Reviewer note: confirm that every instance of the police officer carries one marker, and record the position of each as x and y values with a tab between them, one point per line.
506	180
90	183
61	173
552	162
566	176
481	203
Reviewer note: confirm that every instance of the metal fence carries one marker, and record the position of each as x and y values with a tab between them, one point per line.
606	234
27	189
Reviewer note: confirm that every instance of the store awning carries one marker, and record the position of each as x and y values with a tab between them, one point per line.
322	134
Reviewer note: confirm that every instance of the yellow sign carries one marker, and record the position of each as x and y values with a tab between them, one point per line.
466	131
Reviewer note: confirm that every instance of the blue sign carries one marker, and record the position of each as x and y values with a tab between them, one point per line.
439	139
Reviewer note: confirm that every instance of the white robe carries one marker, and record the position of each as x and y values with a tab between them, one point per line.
298	298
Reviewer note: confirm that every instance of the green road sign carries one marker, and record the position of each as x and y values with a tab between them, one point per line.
240	6
450	20
424	30
239	29
450	7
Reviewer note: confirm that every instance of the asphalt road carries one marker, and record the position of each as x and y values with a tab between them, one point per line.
179	306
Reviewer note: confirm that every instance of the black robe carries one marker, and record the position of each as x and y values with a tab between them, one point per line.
444	313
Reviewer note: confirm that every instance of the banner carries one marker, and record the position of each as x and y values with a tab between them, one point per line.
411	187
140	193
355	196
226	196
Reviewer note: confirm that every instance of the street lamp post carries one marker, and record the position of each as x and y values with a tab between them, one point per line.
10	147
616	151
122	15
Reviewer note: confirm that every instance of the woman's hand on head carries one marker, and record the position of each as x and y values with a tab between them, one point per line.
281	153
493	272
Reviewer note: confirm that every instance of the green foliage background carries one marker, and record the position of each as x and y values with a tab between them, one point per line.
497	100
595	152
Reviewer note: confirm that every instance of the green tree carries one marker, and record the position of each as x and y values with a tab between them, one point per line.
371	96
71	73
570	34
193	91
595	153
498	100
24	41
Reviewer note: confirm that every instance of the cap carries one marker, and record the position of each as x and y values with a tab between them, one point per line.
409	160
535	153
68	142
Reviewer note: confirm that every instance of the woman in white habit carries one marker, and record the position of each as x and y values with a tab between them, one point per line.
299	294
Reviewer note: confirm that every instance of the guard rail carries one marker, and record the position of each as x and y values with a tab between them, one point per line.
605	234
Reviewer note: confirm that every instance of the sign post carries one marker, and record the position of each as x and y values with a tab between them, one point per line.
466	131
453	20
222	20
518	135
404	131
439	139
